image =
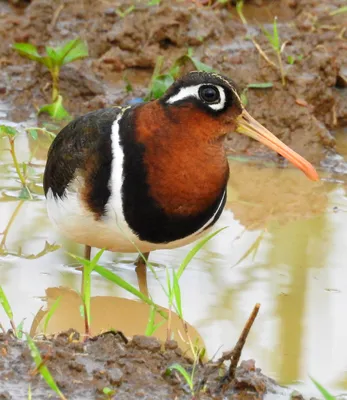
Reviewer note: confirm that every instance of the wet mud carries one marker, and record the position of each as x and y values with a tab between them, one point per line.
302	113
130	369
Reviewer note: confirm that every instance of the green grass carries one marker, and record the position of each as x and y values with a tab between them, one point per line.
323	391
22	169
259	85
277	46
42	368
160	82
340	10
7	308
50	313
127	11
53	60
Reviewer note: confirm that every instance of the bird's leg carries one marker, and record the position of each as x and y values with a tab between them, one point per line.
87	254
141	272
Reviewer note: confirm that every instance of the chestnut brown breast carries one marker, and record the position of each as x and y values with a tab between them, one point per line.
186	170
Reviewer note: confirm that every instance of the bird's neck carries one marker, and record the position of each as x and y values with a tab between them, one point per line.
185	173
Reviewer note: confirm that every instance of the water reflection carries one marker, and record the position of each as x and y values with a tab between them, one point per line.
284	247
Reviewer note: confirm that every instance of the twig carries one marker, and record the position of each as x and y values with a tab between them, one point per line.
262	53
235	354
56	15
241	342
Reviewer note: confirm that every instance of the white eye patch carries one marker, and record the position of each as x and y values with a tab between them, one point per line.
193	91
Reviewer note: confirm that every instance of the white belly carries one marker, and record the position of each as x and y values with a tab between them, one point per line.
76	222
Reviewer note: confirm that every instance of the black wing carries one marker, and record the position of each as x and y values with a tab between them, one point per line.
83	148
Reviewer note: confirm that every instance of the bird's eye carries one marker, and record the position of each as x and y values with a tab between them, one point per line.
209	94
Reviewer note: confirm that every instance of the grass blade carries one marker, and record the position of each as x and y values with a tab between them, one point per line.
150	328
339	11
5	304
50	313
183	372
260	85
323	391
194	250
276	38
252	249
177	293
42	369
126	286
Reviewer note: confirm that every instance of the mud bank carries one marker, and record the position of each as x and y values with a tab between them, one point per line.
130	369
302	113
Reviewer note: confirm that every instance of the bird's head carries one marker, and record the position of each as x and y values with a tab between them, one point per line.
210	105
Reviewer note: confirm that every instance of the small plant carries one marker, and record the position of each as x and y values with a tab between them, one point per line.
88	268
239	10
54	59
42	369
273	38
161	82
188	378
50	313
275	41
123	14
340	10
260	85
323	391
21	168
109	393
293	59
8	310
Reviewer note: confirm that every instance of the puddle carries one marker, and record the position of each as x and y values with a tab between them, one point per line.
284	247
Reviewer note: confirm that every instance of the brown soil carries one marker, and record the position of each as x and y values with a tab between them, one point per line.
134	369
302	113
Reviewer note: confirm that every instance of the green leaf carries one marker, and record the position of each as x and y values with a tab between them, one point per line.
244	98
19	331
184	373
27	50
200	66
339	11
50	313
108	391
72	51
160	85
56	110
276	38
7	130
46	375
291	60
153	2
177	292
51	53
25	194
5	304
323	391
273	38
126	286
124	13
260	85
239	10
194	250
33	133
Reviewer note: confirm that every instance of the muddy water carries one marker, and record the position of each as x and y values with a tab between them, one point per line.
285	247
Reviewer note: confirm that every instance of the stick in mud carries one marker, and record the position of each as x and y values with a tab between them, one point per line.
235	354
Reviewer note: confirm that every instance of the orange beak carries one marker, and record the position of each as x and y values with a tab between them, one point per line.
247	125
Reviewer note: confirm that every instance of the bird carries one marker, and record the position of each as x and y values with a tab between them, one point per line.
153	175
